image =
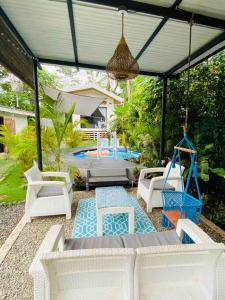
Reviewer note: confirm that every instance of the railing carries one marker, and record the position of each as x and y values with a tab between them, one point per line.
91	133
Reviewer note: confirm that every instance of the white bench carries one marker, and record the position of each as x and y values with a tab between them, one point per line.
168	272
96	177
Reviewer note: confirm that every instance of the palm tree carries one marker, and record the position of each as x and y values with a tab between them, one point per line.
52	110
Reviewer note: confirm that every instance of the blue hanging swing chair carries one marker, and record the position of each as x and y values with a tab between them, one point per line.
180	204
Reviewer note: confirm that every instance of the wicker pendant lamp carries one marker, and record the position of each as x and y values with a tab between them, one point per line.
122	65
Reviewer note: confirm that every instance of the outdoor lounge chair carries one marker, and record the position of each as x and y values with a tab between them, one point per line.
134	267
150	189
46	198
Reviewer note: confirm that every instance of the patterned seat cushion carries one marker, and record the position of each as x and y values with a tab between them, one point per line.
49	191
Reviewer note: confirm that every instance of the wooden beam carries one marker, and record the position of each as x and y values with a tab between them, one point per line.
185	150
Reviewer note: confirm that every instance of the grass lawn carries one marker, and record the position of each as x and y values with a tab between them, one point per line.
12	182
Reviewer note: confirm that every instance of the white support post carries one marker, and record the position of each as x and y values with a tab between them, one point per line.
98	144
115	144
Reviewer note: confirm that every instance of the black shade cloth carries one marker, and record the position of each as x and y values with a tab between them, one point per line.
13	56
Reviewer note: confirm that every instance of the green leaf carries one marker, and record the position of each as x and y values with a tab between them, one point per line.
218	171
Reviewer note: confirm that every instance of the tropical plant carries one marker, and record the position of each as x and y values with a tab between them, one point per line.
25	150
139	122
8	139
23	98
79	180
73	136
48	139
21	146
52	110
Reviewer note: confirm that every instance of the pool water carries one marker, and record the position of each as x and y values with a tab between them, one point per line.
122	154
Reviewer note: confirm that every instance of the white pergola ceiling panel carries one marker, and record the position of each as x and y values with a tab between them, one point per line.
217	47
99	32
171	45
44	25
213	8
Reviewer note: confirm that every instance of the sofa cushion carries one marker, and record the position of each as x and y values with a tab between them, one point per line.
48	191
151	239
108	179
107	172
157	185
94	242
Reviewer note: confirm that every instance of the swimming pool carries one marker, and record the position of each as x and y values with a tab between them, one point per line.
122	154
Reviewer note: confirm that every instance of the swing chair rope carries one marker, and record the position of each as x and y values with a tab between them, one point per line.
188	74
180	199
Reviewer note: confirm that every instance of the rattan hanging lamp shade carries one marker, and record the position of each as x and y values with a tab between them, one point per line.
122	64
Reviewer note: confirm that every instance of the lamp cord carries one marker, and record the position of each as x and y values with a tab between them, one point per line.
122	24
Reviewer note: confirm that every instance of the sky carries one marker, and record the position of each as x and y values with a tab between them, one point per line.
81	76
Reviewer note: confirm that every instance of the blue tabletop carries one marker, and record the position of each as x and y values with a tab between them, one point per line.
115	196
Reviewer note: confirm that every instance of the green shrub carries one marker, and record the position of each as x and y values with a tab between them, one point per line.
72	137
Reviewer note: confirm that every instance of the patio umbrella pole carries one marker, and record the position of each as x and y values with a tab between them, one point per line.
37	113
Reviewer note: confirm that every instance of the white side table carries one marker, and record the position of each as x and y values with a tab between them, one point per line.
113	200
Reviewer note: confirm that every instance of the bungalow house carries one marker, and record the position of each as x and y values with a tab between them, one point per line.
15	119
99	120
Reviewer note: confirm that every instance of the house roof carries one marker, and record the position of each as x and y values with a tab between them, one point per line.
16	111
97	88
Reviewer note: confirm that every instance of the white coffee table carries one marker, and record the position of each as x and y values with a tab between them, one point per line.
113	200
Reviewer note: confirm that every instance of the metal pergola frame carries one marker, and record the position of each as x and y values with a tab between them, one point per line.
133	6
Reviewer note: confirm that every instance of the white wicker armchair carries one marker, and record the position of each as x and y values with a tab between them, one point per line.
46	198
150	189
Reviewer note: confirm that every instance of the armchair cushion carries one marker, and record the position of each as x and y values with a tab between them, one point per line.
93	243
49	191
157	186
151	239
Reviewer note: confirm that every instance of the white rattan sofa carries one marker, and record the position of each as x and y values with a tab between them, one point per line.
127	268
150	189
46	198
